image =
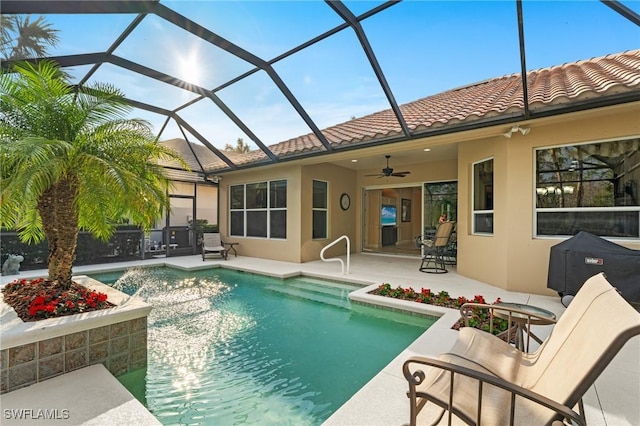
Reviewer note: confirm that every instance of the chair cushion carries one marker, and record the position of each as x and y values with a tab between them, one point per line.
495	401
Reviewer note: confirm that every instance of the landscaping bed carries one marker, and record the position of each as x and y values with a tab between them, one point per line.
480	319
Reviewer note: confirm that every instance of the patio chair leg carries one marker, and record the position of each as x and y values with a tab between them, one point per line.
433	264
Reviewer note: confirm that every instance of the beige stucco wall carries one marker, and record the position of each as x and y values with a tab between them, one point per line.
341	222
299	245
513	258
288	249
480	256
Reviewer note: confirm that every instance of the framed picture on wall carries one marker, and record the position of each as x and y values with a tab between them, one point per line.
405	212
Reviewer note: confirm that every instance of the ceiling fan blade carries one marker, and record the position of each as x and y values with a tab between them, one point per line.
400	174
377	174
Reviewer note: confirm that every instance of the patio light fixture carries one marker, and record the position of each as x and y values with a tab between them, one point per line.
523	130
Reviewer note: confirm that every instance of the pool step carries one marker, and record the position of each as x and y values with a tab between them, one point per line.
338	290
317	296
324	283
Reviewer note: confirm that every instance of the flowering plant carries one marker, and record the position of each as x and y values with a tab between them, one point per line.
480	318
41	298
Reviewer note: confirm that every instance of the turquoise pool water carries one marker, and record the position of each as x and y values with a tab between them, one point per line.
231	348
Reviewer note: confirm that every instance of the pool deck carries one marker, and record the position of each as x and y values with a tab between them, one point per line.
382	401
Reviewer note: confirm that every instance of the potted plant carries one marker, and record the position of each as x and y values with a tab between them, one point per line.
72	159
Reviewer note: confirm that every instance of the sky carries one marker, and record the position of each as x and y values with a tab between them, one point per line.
423	48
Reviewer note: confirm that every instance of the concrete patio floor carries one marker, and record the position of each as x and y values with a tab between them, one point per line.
613	400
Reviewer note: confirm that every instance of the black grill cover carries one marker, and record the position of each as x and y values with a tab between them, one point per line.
573	261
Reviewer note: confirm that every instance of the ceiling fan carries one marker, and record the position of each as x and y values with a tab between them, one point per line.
388	171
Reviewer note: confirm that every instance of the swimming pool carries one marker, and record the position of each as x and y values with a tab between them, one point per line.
227	347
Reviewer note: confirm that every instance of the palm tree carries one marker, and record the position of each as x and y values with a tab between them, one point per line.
241	147
21	38
72	160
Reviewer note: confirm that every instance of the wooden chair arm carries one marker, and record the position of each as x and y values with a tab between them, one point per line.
415	378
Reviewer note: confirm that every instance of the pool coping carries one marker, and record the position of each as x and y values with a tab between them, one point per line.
436	339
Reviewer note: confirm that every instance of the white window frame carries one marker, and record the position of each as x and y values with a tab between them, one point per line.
475	212
244	209
325	209
534	190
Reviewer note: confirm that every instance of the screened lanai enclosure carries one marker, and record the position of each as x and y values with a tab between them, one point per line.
238	85
279	73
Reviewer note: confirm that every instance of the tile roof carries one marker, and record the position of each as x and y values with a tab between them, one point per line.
547	87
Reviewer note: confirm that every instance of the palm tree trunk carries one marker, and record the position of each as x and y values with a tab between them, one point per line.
60	222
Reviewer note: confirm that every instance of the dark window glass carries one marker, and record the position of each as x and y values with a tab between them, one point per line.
257	223
439	198
483	223
319	194
594	175
278	224
575	180
483	185
604	224
237	196
261	216
257	195
237	223
278	193
483	197
319	224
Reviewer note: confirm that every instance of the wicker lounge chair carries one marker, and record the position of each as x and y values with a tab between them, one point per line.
211	243
484	380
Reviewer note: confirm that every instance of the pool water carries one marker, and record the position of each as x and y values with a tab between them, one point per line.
227	348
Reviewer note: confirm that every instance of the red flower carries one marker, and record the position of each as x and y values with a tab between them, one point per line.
44	299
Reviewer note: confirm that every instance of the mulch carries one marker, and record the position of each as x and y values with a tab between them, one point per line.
20	297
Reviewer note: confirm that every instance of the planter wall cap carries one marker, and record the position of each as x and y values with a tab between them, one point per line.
16	332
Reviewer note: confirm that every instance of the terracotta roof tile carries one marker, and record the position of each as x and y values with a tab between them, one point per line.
498	96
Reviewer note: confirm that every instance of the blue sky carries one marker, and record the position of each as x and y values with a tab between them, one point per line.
423	47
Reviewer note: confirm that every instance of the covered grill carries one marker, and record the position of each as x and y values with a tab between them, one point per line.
572	261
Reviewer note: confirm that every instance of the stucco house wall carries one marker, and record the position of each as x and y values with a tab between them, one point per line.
288	249
514	258
299	246
341	222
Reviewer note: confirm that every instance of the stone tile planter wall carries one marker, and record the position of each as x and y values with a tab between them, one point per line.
35	351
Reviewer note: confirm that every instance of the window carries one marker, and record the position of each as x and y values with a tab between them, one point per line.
483	197
439	198
319	207
591	187
258	209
